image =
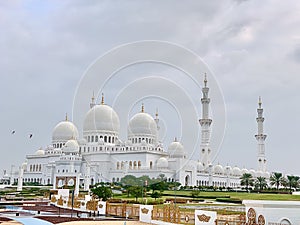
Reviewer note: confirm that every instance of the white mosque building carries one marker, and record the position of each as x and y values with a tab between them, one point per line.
101	156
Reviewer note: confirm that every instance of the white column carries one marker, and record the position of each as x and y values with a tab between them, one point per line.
20	179
87	178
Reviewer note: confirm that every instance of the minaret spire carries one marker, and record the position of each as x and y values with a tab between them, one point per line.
205	123
156	119
92	104
260	137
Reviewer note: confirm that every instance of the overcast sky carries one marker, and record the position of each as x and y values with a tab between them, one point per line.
252	48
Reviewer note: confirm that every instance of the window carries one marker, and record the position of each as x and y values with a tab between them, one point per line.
151	164
96	138
105	139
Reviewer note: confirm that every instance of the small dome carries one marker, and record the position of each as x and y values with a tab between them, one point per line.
252	172
176	150
200	167
162	163
236	171
71	146
218	169
142	124
64	131
244	170
101	118
40	152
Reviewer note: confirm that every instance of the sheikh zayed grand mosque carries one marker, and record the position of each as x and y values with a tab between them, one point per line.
100	156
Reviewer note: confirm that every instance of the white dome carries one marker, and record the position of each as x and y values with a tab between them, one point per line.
71	146
176	150
40	152
200	167
252	172
162	163
142	124
244	170
236	171
218	169
101	118
64	131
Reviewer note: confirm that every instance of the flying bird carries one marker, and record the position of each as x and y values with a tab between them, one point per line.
30	135
13	132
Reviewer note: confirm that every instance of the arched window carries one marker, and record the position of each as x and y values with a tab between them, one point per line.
139	164
130	165
33	168
105	139
92	138
139	140
151	164
122	165
40	167
30	168
118	165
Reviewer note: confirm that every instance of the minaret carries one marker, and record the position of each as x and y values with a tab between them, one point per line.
205	123
260	137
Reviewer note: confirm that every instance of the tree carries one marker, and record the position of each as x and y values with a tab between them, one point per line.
102	191
247	180
156	195
159	186
277	179
136	191
292	182
261	183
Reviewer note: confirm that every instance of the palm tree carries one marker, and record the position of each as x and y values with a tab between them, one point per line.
261	183
247	180
292	182
277	179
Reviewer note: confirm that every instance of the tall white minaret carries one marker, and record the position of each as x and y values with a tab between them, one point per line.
205	123
260	137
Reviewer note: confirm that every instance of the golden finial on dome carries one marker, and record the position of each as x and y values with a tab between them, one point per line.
102	100
156	113
66	116
205	80
143	109
93	97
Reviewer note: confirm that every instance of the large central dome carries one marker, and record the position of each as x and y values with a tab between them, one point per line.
101	118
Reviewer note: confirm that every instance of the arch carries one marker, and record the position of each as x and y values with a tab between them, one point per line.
109	139
92	138
105	139
92	181
30	168
118	165
139	164
96	138
151	164
187	180
130	165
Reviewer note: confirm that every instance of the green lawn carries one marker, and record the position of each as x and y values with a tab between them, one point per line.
240	195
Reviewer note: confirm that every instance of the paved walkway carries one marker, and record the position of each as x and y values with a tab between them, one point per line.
26	221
